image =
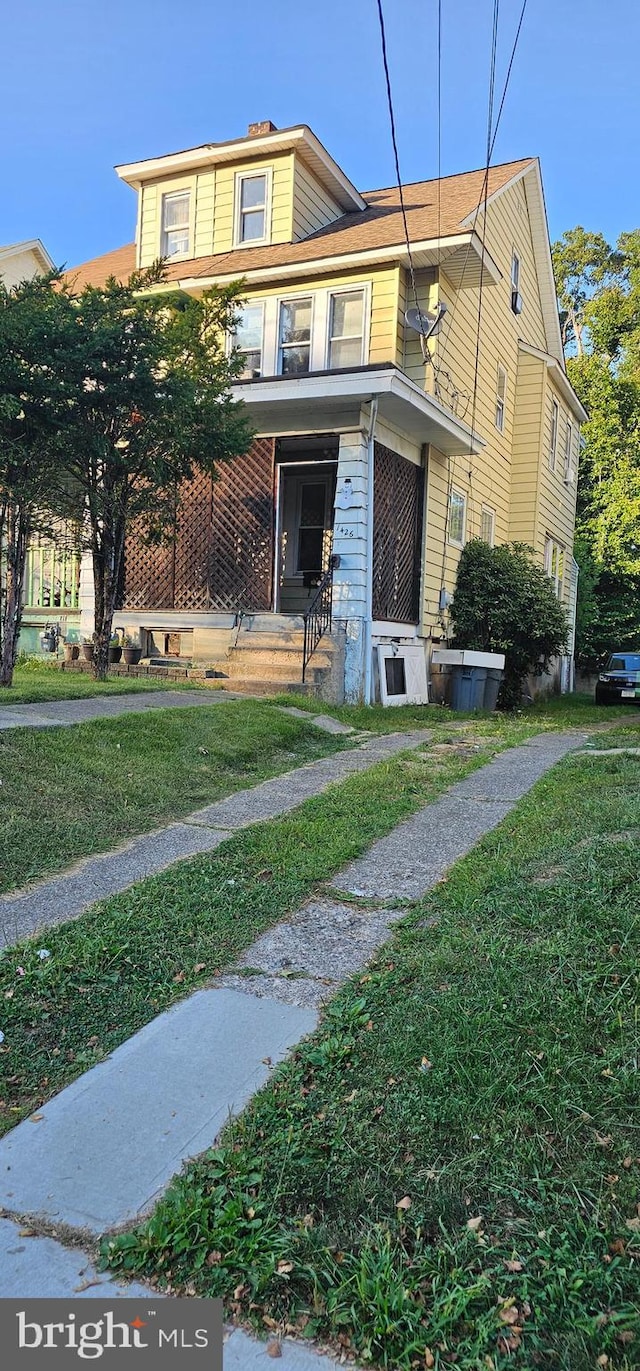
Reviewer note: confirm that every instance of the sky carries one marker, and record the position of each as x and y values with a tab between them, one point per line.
87	84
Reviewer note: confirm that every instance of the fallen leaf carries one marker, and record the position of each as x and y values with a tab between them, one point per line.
618	1247
213	1258
283	1268
425	1064
633	1224
273	1348
429	1359
625	1336
27	1233
474	1224
604	1139
308	1221
627	1163
179	978
404	1203
602	1360
199	966
36	1118
508	1314
86	1285
93	1042
348	1099
513	1266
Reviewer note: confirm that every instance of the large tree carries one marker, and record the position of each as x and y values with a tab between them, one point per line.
147	372
599	295
33	411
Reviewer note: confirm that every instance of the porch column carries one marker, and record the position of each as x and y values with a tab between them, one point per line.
86	600
350	544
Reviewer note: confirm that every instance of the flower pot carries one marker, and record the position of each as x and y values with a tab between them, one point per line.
71	652
132	655
115	654
87	651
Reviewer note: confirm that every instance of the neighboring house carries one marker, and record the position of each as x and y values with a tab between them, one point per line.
366	449
23	261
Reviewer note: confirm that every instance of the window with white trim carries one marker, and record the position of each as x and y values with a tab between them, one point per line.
252	194
553	445
294	336
247	340
515	272
488	525
346	328
457	518
501	397
554	564
175	223
568	451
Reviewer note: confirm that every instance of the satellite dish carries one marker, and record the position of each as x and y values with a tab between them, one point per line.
424	322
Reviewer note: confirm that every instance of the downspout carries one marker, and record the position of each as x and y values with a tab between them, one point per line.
368	663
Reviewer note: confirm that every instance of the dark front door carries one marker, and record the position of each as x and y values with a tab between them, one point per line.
306	515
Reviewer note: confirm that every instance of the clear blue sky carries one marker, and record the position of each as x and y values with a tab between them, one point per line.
89	83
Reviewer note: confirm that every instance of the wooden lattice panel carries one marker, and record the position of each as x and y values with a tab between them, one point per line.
221	557
243	530
397	534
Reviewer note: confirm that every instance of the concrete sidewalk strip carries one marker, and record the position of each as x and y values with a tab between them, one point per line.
66	896
244	1353
63	713
106	1146
41	1268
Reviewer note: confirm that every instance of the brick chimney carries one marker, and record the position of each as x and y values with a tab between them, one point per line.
259	130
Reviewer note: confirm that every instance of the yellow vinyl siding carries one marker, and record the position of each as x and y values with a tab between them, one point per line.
525	476
281	198
313	208
556	504
205	197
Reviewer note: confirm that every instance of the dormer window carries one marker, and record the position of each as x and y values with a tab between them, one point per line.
252	203
175	224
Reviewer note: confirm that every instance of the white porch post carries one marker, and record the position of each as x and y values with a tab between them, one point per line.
86	600
350	542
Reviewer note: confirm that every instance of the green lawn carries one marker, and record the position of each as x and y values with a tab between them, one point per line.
67	792
559	712
128	958
36	682
447	1172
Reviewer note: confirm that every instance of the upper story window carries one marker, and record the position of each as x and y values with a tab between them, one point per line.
252	200
553	445
516	298
175	224
568	452
346	329
457	518
248	340
501	397
294	336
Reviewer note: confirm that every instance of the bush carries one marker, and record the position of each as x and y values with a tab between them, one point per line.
503	602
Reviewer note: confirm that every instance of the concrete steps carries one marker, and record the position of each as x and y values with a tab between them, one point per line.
266	659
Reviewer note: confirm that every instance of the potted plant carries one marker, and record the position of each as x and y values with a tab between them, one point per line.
86	648
132	650
71	651
115	648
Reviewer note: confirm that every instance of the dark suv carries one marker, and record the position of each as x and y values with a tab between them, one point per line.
619	683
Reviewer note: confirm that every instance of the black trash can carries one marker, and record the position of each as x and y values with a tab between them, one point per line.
492	687
468	687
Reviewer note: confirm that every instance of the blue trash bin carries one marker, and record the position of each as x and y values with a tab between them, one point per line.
492	687
468	687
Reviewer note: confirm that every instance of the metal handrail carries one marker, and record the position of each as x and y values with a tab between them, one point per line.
317	619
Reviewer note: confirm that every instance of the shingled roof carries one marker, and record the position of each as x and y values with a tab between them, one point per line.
429	215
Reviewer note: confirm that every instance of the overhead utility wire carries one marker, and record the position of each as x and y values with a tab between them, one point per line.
394	140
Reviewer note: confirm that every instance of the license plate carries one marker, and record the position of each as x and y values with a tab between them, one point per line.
629	694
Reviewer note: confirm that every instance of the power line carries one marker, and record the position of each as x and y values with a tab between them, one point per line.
394	140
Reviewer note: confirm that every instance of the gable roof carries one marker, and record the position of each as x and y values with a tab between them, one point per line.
33	245
379	226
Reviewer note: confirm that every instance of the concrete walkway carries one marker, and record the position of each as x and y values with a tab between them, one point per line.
66	896
64	713
100	1153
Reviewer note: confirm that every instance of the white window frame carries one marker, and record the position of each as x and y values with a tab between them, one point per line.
285	300
487	511
501	399
554	563
178	192
553	444
241	176
231	336
331	296
455	542
516	266
568	451
319	325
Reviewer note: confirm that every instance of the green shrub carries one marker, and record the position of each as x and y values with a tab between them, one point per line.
503	602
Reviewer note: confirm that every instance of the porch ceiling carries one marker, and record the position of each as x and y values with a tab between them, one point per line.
331	401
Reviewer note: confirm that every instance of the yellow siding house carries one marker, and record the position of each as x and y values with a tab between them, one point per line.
329	552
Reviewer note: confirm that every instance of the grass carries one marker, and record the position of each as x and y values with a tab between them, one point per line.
446	1173
558	712
35	682
68	792
128	958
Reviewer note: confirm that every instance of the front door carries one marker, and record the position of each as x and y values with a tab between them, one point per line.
307	495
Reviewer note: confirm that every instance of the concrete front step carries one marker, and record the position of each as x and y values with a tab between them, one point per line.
257	664
251	685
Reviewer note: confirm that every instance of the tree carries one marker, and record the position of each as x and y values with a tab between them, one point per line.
147	376
503	602
32	413
599	294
